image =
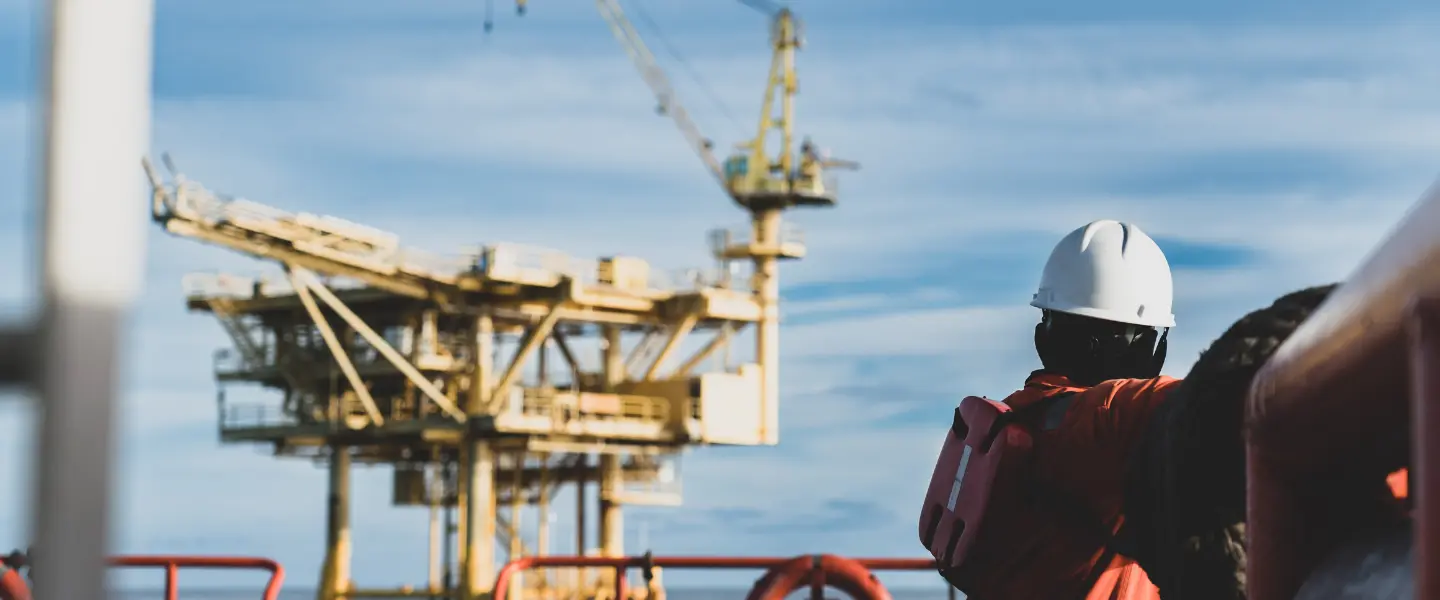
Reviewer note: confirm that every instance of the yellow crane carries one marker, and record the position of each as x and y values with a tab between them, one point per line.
765	185
756	179
659	83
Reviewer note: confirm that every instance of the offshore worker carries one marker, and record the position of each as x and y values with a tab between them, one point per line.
1128	468
1105	300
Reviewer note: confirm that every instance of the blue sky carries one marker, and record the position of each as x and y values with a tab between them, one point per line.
1265	144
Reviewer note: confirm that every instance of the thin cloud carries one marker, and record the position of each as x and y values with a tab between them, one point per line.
964	132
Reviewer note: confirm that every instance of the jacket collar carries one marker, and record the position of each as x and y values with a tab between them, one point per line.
1046	380
1039	386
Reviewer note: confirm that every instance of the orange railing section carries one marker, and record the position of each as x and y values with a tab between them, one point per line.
1352	396
783	575
173	564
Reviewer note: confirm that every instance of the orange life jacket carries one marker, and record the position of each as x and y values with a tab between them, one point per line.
12	585
999	531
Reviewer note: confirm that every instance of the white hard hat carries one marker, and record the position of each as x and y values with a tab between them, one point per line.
1108	270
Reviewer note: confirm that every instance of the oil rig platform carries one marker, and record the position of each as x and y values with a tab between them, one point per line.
383	354
489	379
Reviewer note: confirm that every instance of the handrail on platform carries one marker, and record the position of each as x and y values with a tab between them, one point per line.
173	564
1351	396
783	574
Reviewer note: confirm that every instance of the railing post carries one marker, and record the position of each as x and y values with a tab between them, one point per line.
172	581
817	578
96	124
1425	445
171	565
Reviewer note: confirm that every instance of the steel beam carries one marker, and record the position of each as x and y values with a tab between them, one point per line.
677	334
379	343
403	287
531	342
569	356
721	338
639	352
342	358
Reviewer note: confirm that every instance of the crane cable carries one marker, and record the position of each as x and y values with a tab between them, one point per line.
674	53
764	6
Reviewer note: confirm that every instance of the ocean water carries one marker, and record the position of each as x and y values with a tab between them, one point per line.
199	593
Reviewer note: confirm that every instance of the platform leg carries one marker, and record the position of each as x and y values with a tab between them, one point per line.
478	542
612	524
438	537
582	505
335	575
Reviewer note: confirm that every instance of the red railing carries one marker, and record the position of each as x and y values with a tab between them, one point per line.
1352	395
783	574
173	564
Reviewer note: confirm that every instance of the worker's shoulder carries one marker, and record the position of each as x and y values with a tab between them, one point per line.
1131	388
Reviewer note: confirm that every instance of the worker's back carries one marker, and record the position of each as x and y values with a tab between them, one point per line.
1105	297
1054	540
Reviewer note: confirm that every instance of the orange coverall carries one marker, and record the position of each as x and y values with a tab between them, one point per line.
1083	451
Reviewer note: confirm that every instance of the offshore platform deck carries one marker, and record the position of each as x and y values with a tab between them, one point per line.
424	339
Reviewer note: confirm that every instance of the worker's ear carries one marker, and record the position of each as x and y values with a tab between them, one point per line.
1043	345
1161	347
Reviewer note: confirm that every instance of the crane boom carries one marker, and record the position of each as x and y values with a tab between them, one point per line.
659	84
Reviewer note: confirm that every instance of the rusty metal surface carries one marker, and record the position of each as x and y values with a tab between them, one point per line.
1376	567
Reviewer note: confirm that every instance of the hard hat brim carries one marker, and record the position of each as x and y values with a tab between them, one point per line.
1163	320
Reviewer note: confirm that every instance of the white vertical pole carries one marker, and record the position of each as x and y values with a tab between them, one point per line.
97	125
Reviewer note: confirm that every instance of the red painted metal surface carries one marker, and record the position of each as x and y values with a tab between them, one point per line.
1331	409
173	564
843	573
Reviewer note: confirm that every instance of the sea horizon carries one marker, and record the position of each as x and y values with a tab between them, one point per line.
200	592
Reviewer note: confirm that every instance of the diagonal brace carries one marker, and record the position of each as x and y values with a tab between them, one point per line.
708	349
379	343
341	358
677	333
569	356
531	342
641	350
